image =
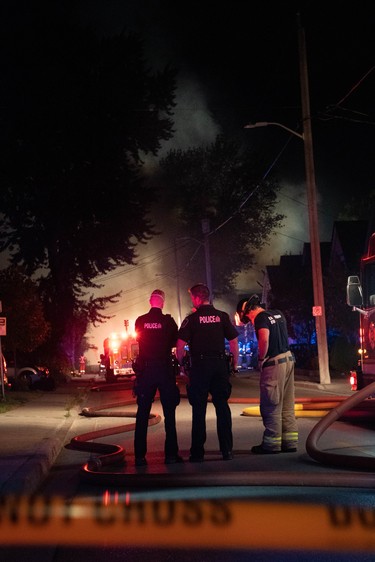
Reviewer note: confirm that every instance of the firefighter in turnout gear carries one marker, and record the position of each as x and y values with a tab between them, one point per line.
205	332
156	335
276	366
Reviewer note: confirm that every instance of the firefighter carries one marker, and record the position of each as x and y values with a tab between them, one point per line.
205	331
276	366
156	335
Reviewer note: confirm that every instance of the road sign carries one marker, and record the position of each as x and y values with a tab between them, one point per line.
317	310
3	326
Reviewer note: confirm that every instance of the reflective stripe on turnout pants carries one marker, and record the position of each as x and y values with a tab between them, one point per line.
277	405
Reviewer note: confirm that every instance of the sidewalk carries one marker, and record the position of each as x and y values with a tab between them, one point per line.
33	434
338	386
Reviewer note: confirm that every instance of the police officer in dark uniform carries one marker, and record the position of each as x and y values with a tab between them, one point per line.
205	331
276	366
156	335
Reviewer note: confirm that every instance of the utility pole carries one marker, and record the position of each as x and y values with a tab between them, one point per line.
3	331
206	232
316	262
177	283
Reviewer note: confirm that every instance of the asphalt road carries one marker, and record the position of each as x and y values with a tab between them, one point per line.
279	507
112	422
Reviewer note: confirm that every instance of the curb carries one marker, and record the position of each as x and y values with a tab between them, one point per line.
28	476
333	388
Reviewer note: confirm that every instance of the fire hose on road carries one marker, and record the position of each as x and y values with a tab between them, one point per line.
364	463
108	454
331	410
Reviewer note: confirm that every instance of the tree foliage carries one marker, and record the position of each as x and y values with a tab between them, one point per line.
77	112
359	208
221	182
27	328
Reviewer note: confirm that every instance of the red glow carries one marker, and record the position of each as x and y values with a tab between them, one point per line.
353	380
106	498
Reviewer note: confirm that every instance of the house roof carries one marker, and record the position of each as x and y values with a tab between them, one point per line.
349	242
347	246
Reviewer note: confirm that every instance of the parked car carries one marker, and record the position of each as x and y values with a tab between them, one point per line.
32	377
5	373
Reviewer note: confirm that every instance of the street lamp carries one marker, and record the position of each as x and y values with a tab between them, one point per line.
266	123
316	262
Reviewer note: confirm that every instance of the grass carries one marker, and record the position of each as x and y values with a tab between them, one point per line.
14	400
75	400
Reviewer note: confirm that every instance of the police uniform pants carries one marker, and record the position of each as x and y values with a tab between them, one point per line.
151	380
277	405
210	376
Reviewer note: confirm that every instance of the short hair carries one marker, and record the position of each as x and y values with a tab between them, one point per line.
201	291
158	293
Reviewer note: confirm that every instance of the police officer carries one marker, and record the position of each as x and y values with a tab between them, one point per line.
276	366
205	331
156	335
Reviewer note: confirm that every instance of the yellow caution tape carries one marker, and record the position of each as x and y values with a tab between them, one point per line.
117	520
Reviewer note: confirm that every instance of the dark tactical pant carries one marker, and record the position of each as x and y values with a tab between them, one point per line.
152	378
210	375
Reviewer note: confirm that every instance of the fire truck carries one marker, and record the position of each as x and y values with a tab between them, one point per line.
360	295
120	350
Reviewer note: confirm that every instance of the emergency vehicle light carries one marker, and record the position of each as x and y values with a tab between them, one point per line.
113	343
353	380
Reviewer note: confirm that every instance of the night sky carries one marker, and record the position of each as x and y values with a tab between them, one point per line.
238	63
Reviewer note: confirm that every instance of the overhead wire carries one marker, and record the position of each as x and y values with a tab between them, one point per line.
354	88
149	260
328	116
137	299
164	252
356	85
249	195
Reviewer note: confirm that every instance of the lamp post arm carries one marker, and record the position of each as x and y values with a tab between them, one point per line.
266	123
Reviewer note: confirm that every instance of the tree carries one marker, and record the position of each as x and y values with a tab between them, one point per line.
220	182
77	113
27	328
